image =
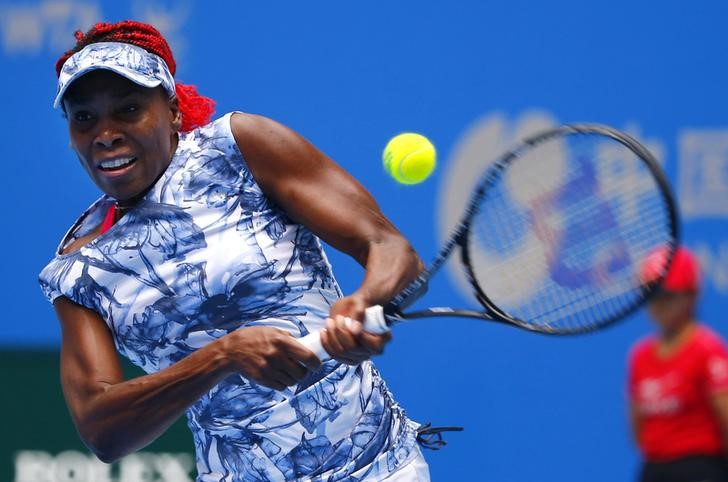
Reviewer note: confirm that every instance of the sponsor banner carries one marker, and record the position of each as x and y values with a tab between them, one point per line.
40	443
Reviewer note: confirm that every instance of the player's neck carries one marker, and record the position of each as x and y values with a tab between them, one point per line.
671	340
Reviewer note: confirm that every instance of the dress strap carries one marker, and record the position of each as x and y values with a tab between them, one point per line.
109	219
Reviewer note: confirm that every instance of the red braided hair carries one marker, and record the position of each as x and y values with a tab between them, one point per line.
196	109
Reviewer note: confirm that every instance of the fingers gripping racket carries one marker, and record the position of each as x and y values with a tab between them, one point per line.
554	236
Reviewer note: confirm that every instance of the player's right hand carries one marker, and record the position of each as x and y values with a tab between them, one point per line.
268	356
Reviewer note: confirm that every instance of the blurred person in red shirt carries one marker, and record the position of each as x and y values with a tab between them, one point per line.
678	383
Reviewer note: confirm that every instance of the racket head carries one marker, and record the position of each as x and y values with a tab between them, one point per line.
555	236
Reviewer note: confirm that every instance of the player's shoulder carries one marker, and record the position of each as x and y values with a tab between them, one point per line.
250	124
222	123
706	337
267	140
642	348
253	129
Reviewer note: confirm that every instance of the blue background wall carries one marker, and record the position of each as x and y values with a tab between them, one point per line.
348	76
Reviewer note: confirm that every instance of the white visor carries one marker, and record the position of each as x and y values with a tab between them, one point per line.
132	62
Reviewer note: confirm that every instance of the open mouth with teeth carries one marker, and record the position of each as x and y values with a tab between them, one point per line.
116	164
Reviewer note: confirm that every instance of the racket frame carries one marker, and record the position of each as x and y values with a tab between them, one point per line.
393	310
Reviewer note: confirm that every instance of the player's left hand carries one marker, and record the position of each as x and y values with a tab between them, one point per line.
348	342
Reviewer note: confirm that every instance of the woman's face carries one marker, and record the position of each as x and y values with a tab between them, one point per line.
671	310
124	134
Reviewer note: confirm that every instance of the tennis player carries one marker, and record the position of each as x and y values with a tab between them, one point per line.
201	264
678	384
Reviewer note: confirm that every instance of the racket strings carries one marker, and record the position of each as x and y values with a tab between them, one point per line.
556	238
576	307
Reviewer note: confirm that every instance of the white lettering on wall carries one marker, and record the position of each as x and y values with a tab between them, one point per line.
30	29
714	264
703	173
75	466
49	25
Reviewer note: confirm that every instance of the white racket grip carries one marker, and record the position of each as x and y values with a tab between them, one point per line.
374	323
312	341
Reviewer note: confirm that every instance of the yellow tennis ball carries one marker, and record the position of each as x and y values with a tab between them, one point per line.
409	158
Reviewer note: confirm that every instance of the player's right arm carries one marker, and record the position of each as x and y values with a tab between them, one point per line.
633	411
716	382
634	422
719	401
115	417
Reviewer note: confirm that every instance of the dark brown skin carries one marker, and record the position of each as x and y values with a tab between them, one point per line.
115	416
674	315
111	117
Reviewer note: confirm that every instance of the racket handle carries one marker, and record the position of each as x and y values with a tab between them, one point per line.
374	323
312	341
374	320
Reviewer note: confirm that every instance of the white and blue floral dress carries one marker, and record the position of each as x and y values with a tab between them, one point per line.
205	252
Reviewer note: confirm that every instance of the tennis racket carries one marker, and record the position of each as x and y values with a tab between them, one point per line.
554	236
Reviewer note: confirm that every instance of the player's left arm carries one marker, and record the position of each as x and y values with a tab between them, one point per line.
716	380
635	422
318	193
719	400
633	411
